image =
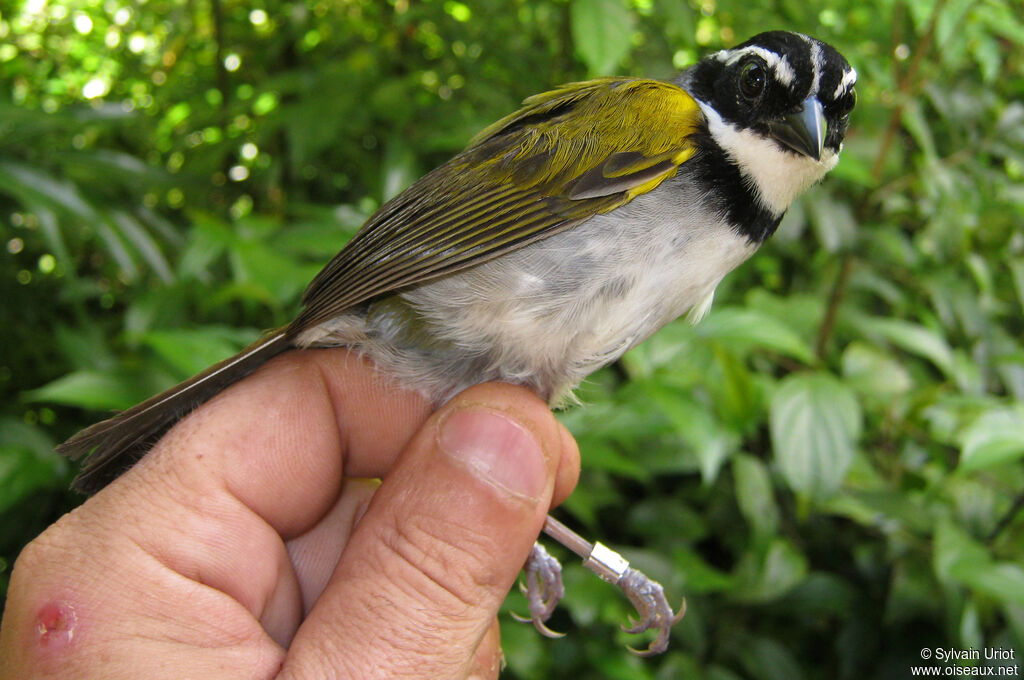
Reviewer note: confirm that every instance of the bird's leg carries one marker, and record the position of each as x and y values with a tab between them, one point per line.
544	585
543	589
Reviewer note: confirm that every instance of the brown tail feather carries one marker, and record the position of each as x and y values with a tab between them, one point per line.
115	444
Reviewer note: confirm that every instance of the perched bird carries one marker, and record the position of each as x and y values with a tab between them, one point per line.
565	234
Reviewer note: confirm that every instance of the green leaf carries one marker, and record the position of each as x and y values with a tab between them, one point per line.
959	558
523	648
399	169
737	400
768	571
1003	581
91	390
35	187
194	349
995	438
913	338
698	575
674	348
755	495
679	19
741	327
319	238
833	221
602	32
135	233
267	272
711	443
855	170
1017	272
815	423
766	659
27	461
873	372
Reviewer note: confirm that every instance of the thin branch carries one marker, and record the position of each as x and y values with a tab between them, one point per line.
1006	519
903	90
217	16
906	85
835	298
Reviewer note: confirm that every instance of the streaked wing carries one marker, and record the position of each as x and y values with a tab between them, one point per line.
532	174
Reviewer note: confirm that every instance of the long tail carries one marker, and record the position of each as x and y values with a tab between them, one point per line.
115	444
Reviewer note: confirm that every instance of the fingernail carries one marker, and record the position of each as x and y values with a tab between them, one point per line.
497	449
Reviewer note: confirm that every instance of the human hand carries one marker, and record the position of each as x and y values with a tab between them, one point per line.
249	542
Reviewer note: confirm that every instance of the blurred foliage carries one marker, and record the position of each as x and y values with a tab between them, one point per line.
830	467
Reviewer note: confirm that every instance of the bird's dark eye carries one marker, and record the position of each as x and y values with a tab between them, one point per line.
846	103
752	80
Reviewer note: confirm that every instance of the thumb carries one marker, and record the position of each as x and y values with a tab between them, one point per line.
443	540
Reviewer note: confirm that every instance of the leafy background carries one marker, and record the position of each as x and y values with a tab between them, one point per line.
830	467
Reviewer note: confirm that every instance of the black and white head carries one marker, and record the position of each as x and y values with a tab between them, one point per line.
778	105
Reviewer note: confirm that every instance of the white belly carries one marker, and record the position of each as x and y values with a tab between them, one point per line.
551	313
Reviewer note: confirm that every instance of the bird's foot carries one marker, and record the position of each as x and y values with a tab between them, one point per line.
651	604
543	589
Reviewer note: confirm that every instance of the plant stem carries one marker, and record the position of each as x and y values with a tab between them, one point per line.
1007	518
906	85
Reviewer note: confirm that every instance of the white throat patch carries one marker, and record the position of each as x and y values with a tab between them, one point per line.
778	176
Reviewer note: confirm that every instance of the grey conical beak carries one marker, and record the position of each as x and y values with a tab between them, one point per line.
803	130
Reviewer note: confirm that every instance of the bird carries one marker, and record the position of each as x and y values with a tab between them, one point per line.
562	236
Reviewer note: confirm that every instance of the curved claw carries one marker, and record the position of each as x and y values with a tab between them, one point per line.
539	625
635	626
660	643
520	618
655	613
657	646
681	613
543	589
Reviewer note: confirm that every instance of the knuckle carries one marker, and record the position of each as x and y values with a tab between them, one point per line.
49	548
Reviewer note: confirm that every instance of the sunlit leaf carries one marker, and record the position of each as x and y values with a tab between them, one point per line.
960	558
601	31
679	18
91	390
995	438
874	372
740	327
192	350
399	169
815	423
709	441
265	269
915	339
832	220
36	187
145	244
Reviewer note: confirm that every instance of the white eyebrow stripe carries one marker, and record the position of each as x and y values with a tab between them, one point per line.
848	81
783	71
818	60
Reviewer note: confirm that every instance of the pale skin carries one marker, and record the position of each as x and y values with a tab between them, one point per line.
249	543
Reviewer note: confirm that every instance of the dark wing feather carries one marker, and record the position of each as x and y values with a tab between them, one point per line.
554	163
